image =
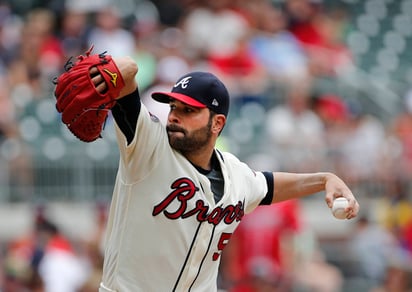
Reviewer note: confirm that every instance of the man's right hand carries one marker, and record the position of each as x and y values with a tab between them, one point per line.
128	69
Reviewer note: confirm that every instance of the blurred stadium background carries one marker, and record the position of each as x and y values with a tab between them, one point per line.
347	65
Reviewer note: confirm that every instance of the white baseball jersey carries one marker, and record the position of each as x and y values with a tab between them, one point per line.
165	232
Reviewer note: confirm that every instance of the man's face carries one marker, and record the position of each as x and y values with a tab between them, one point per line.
188	128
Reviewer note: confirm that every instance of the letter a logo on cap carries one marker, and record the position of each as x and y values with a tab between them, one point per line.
215	102
183	82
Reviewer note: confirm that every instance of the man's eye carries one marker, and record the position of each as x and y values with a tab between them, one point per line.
188	110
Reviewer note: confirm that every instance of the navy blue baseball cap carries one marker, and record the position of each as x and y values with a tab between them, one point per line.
198	89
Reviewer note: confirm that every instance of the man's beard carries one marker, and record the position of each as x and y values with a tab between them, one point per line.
190	141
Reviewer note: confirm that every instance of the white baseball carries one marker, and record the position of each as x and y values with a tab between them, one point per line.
338	207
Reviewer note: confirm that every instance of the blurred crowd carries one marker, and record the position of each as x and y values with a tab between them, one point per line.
272	56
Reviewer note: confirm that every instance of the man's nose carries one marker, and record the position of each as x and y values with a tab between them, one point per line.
173	117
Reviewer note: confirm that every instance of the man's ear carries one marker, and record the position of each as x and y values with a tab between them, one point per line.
219	122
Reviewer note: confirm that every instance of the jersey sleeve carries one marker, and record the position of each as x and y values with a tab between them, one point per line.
139	155
253	187
126	112
267	200
257	191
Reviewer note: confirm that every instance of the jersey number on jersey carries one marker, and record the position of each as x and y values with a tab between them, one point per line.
223	241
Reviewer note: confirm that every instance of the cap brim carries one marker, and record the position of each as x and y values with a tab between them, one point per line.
165	97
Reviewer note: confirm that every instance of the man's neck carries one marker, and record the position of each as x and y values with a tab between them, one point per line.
202	159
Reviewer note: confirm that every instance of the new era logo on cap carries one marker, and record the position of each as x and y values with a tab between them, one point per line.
199	89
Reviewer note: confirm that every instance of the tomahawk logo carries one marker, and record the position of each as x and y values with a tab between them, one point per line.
183	82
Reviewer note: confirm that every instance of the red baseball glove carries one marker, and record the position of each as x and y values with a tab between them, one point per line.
84	109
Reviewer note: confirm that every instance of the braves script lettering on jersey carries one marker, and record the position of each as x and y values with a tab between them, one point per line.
165	231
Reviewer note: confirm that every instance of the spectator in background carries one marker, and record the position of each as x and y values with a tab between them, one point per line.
39	55
401	129
55	260
222	45
109	35
295	132
148	35
398	279
73	32
321	32
16	272
333	57
276	48
244	75
362	148
171	64
10	26
261	251
40	29
214	28
302	17
94	256
333	112
172	11
394	212
45	258
8	121
92	252
15	158
313	272
356	141
373	248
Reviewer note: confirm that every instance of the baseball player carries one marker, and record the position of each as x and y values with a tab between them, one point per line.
177	199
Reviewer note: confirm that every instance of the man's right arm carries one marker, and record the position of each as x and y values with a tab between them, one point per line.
128	69
127	109
126	112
